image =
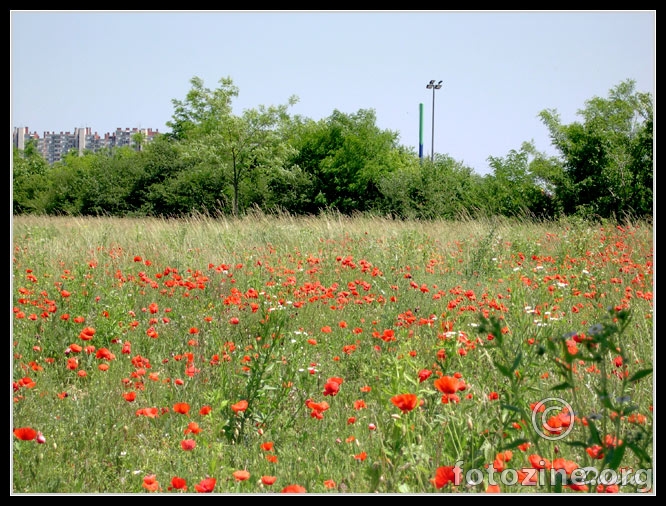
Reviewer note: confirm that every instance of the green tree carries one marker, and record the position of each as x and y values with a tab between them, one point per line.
109	182
162	164
66	182
345	156
211	135
442	188
518	187
608	158
29	169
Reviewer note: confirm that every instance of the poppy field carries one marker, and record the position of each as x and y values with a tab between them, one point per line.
331	355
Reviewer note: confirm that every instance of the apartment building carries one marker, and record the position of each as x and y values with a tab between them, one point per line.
54	146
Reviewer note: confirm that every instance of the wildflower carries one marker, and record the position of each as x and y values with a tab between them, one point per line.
239	407
25	433
129	396
241	475
329	484
188	444
332	386
447	384
192	427
567	465
359	404
267	446
294	489
181	407
538	462
105	353
150	483
206	485
87	334
178	483
361	456
424	374
318	407
443	476
405	402
268	480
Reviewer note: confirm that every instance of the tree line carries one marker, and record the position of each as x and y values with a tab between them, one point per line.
217	163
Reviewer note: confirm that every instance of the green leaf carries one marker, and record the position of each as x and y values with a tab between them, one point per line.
640	374
515	443
502	369
512	408
562	386
595	438
614	456
516	361
639	452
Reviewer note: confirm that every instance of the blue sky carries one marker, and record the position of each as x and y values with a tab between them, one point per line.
122	69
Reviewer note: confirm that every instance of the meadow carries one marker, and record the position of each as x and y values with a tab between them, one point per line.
329	355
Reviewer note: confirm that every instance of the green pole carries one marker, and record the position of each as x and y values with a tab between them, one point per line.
421	131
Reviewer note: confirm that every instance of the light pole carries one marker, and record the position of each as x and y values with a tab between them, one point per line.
432	86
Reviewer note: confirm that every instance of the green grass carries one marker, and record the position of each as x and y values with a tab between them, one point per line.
209	312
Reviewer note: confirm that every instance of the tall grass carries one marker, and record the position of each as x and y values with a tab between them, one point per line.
332	354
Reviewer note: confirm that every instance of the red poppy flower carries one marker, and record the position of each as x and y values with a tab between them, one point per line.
331	388
188	444
205	410
240	406
206	485
150	483
267	446
424	374
129	396
87	334
149	412
105	353
181	407
447	384
538	462
268	480
25	433
241	475
405	402
359	404
192	427
443	476
567	465
178	483
294	489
